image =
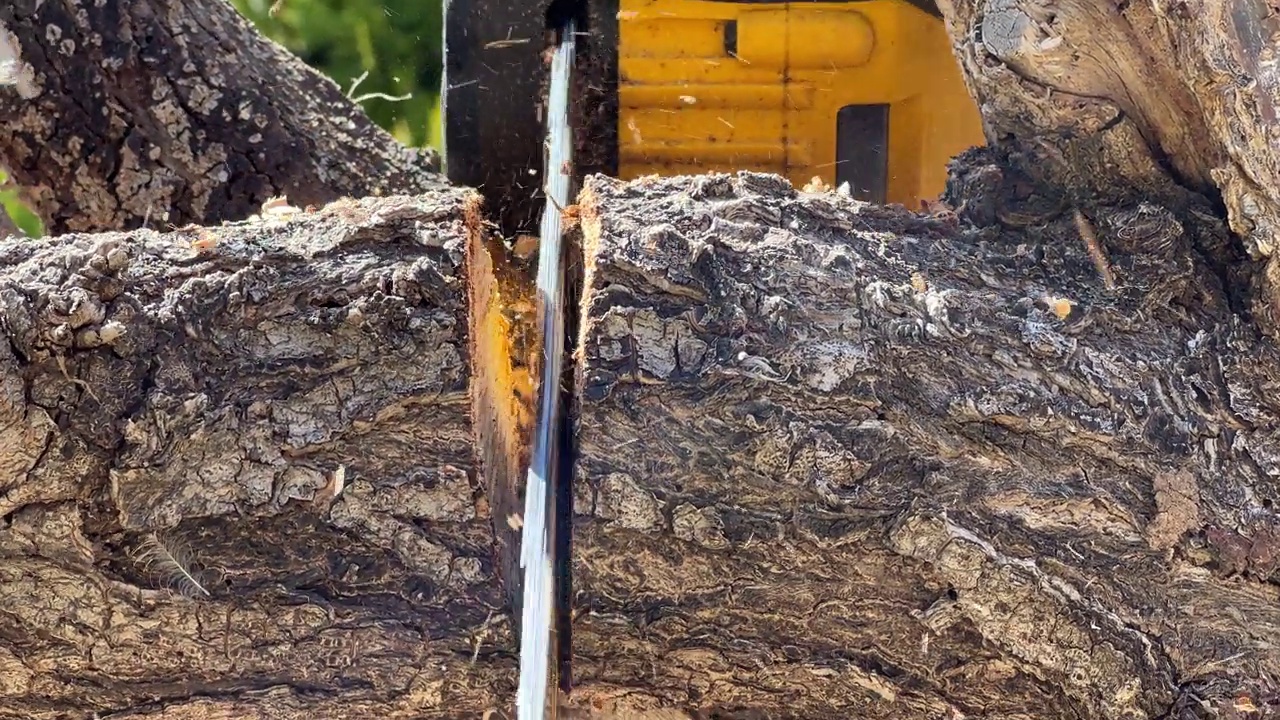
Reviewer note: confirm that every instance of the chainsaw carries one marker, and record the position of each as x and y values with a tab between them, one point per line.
859	92
542	627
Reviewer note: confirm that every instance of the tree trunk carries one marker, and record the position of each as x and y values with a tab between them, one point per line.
137	113
836	460
270	420
1112	102
831	460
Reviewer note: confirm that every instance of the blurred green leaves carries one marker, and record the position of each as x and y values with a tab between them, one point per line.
397	42
23	217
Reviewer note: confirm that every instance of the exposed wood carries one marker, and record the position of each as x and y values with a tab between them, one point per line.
149	112
838	460
286	401
505	343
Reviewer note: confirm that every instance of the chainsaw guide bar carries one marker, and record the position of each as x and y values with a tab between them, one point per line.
539	551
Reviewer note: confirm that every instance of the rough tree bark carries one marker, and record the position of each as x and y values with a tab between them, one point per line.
1103	102
283	400
836	458
153	112
832	460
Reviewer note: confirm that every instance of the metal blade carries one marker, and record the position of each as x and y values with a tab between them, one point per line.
536	554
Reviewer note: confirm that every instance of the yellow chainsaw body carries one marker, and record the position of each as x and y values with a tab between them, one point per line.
866	92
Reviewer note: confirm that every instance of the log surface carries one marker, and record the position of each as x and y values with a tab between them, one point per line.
843	460
284	400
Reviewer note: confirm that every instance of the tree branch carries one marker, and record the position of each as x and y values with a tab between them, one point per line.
156	112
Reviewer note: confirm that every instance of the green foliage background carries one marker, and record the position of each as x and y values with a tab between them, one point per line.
398	42
20	214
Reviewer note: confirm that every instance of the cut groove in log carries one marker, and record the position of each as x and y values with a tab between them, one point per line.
506	364
288	398
833	459
504	344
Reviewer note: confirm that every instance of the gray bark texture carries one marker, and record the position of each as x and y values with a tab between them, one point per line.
841	460
235	472
128	113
